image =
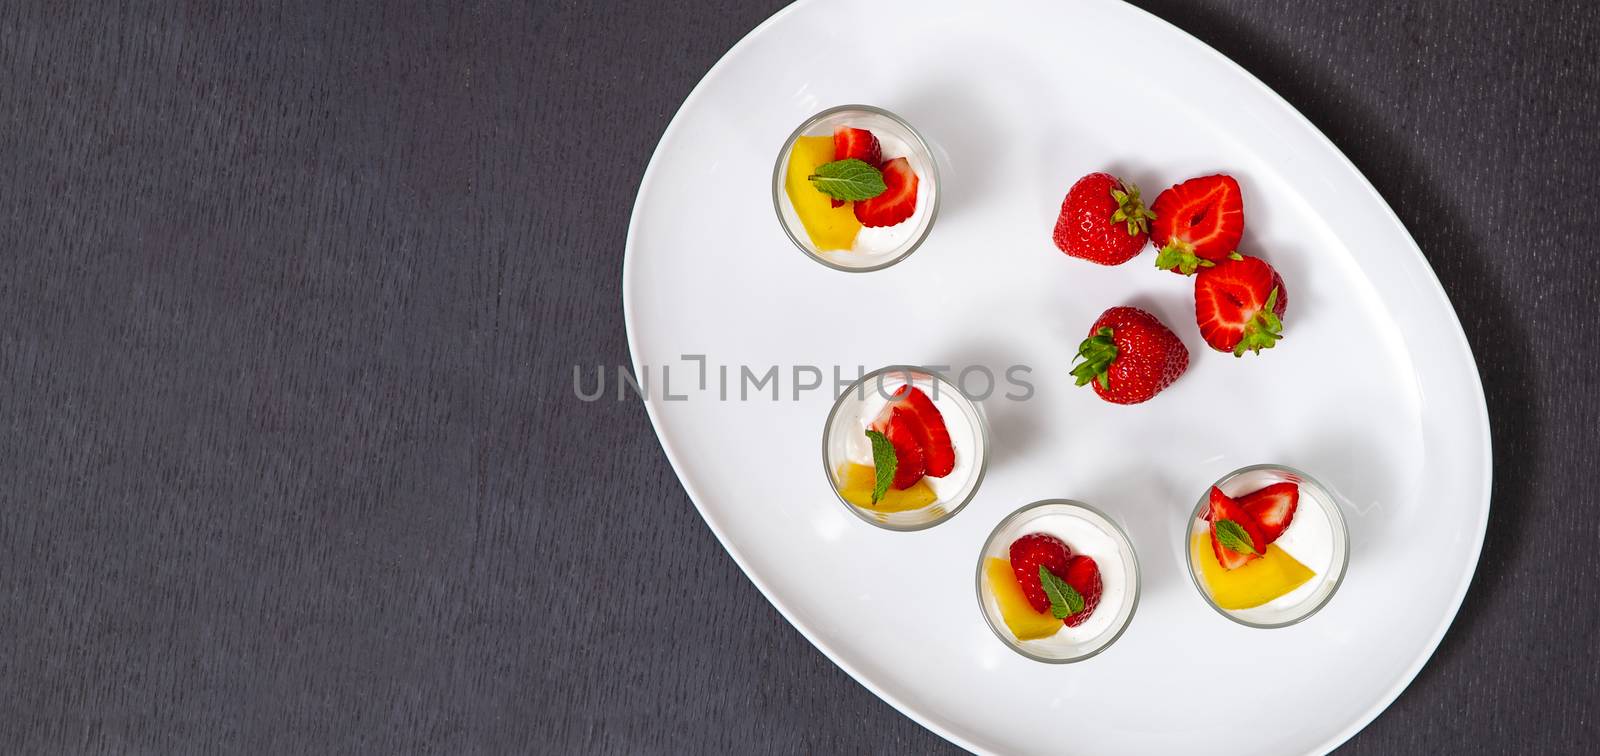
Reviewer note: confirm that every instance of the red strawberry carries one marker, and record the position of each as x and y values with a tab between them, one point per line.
855	143
897	202
1102	220
929	428
1031	551
1197	223
1084	577
1273	507
1130	356
907	452
1238	303
1224	508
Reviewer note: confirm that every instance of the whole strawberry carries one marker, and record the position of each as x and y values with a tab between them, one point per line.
1197	223
1130	356
1102	220
1239	303
1031	552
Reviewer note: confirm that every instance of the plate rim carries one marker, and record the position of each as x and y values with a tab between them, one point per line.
1481	418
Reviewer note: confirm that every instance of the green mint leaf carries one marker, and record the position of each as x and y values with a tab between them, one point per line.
1065	600
849	179
1234	538
884	462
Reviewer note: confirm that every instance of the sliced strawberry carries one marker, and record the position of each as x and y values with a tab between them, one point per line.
1031	551
897	203
1238	304
1084	577
1197	223
855	143
1224	508
1273	507
908	455
931	431
932	435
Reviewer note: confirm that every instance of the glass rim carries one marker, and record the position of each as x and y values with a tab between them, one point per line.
968	406
1336	517
1004	634
780	168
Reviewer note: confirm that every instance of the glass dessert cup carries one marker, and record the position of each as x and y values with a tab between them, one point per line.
844	442
1316	537
1088	531
873	248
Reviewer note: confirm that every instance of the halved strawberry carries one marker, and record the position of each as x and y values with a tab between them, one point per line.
1238	303
932	435
855	143
1031	551
1197	223
1084	577
1224	508
1273	507
897	202
908	455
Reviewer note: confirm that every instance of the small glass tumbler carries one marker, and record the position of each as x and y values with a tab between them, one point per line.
1317	537
874	248
845	442
1085	530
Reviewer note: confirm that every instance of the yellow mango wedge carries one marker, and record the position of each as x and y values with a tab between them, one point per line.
829	227
1020	617
855	485
1257	582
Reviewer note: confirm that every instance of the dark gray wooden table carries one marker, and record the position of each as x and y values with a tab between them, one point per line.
289	459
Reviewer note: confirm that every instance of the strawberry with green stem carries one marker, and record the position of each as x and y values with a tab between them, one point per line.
1102	220
1197	223
1239	304
1130	356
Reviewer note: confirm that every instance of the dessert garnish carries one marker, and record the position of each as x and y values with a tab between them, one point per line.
1238	303
827	226
1130	356
909	442
841	183
848	179
1025	622
1243	567
1197	223
1044	586
858	484
1102	220
857	144
897	202
1033	555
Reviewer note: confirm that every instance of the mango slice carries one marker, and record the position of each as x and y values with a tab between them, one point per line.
1020	617
829	227
855	485
1257	582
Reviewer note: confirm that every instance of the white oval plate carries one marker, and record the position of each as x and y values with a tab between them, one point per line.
1373	390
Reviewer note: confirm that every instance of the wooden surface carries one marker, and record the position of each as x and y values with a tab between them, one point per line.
289	457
